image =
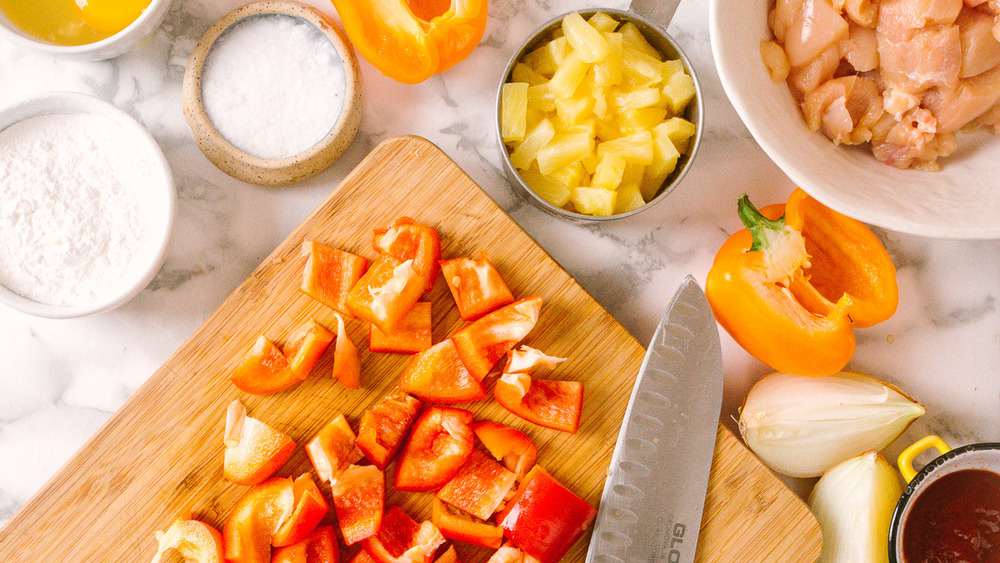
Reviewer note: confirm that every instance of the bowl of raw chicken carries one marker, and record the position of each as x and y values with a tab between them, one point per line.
885	110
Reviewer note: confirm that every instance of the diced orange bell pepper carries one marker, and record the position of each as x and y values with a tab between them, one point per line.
439	444
411	335
479	487
362	557
278	508
384	425
438	375
457	526
548	403
254	450
412	40
192	539
318	547
791	287
386	293
544	518
346	358
263	370
484	341
329	274
401	535
449	556
359	499
333	449
512	446
406	240
475	285
305	346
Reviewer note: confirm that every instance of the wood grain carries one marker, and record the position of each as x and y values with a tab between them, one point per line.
160	455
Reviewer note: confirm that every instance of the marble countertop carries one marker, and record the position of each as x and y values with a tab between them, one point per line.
62	379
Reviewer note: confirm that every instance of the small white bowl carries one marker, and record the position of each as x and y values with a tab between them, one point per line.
962	201
109	48
159	197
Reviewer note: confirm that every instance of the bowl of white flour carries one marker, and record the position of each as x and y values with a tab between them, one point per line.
87	204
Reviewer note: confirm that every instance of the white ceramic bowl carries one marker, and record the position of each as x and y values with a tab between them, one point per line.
158	199
962	201
108	48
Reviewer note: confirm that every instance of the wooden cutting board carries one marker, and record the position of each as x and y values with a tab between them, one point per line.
160	455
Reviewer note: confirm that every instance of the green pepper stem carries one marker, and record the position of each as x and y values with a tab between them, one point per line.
763	230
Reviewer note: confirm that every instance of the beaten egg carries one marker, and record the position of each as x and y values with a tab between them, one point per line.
72	22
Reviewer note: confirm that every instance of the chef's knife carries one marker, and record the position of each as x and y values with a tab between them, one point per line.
655	492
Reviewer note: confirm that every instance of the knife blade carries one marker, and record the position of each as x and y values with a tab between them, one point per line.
654	495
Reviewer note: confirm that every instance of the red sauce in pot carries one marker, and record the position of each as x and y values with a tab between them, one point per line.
956	518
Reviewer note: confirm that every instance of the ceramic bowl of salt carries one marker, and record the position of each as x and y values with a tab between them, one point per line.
272	93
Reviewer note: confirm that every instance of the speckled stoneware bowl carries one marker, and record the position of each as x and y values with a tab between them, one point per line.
663	43
111	47
262	171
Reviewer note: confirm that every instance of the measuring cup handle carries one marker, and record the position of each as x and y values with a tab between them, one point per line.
659	12
905	460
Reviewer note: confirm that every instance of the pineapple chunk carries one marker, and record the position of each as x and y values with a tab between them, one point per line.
586	41
538	137
568	76
623	101
588	128
541	97
564	149
524	73
603	22
607	129
608	174
513	111
594	201
609	71
590	163
572	175
633	175
678	91
671	68
636	40
665	154
629	198
574	111
559	49
680	132
641	67
637	148
541	61
549	190
642	119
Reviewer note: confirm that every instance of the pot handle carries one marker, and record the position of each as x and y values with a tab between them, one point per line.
905	461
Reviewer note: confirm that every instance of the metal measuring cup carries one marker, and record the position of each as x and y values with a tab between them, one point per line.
651	17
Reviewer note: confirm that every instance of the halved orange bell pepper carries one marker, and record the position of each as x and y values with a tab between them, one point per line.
792	286
192	539
318	547
457	526
479	487
411	40
384	425
510	445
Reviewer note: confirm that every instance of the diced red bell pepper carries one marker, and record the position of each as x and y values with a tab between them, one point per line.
275	511
402	540
192	539
263	370
512	446
329	274
483	342
305	346
358	499
449	556
254	450
438	375
476	286
346	358
309	508
479	487
548	403
318	547
384	425
411	335
441	441
544	518
333	449
387	292
458	526
362	557
406	240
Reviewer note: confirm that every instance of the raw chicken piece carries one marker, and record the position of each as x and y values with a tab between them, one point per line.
898	102
806	79
861	12
780	18
845	109
980	50
989	120
956	107
973	3
917	14
775	60
916	59
861	48
813	30
912	142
